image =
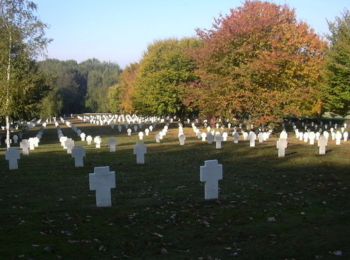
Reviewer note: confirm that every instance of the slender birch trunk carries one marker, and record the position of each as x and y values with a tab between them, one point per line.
8	92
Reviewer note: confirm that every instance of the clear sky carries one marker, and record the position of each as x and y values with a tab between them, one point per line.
120	30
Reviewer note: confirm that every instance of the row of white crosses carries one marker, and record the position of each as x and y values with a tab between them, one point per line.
102	180
13	154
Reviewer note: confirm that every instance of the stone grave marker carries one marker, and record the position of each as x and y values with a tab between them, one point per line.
182	139
70	145
312	138
204	136
24	145
97	141
338	137
252	138
112	143
210	174
210	138
218	139
345	136
89	139
224	136
15	139
78	153
129	131
322	144
235	137
82	137
146	131
12	155
281	145
102	180
140	150
141	134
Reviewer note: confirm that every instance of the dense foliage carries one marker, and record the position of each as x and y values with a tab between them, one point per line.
338	66
164	71
77	87
259	62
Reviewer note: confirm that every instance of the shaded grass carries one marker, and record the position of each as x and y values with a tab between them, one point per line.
158	209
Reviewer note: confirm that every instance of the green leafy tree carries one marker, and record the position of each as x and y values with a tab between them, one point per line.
163	74
22	38
338	66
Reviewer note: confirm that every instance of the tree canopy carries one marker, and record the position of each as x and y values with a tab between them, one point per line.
259	62
338	66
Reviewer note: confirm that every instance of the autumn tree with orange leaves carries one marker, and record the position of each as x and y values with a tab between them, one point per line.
258	62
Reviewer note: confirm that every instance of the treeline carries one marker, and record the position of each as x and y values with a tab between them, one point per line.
77	87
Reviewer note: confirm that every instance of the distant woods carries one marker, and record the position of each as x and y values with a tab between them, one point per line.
78	87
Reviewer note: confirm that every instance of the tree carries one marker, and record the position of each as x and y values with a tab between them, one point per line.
164	71
126	88
258	62
22	37
338	66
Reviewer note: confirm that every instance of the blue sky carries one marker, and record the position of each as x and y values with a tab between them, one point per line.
120	30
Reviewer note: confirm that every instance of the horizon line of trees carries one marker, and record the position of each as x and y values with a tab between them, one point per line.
258	63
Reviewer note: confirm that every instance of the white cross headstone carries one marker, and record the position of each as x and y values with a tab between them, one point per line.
224	136
245	135
70	145
139	150
31	143
182	139
141	134
129	131
15	139
312	137
12	155
338	137
210	174
97	141
204	136
261	137
281	145
78	153
146	131
210	138
218	139
89	139
345	136
252	138
82	136
24	145
235	137
322	143
157	137
112	144
102	181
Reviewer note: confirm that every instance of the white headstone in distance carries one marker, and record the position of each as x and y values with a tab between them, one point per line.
97	141
245	135
204	136
82	136
157	137
15	139
218	139
139	150
252	138
281	145
261	137
141	134
89	139
70	145
210	138
102	181
78	153
312	138
224	136
182	139
31	143
338	137
24	145
345	136
129	131
235	137
12	155
322	144
112	143
210	174
146	131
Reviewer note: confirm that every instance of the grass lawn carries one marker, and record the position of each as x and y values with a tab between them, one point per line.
158	212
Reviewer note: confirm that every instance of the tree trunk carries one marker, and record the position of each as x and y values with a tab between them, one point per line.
8	92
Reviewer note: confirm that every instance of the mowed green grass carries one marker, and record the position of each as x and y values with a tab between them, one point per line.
158	212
